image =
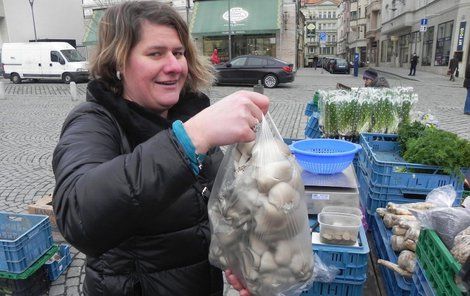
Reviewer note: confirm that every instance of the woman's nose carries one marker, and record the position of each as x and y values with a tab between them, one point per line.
172	64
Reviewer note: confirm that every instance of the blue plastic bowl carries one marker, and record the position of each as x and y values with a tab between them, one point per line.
324	156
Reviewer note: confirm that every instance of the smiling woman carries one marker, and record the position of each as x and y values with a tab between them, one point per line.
134	164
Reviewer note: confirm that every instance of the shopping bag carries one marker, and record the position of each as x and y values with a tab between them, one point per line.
258	216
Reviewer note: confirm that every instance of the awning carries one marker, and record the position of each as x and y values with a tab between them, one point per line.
210	18
91	31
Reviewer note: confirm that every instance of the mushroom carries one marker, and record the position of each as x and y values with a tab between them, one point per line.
273	173
284	197
267	262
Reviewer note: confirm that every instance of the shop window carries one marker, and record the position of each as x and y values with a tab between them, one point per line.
443	44
383	52
428	40
405	48
389	51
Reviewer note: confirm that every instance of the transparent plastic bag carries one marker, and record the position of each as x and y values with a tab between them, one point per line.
443	196
258	216
446	221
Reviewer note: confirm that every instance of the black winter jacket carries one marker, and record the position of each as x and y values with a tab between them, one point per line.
125	196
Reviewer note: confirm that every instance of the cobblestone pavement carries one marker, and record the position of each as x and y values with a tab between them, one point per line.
31	116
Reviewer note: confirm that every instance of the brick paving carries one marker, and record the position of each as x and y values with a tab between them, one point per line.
31	116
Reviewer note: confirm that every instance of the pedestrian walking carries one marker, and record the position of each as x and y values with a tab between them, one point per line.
135	163
453	66
315	61
466	84
215	57
413	64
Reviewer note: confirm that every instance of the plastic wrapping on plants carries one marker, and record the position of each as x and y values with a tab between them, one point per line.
258	218
350	112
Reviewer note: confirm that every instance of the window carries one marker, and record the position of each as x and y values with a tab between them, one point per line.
239	62
329	14
428	40
72	55
383	51
256	62
55	56
444	39
405	48
389	51
334	14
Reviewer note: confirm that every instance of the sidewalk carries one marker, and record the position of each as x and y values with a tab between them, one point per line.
421	76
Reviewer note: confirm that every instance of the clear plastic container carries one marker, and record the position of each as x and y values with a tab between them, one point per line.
343	210
339	228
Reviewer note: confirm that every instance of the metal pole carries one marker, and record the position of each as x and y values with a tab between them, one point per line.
187	11
229	34
31	2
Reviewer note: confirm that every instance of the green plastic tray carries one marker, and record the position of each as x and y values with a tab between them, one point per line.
438	263
32	269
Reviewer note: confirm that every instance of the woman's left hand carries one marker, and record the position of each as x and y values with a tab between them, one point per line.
235	282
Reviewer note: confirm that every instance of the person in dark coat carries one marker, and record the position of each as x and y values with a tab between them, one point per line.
453	65
315	61
135	163
466	84
371	79
413	64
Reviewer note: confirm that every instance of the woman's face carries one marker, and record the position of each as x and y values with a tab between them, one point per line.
156	68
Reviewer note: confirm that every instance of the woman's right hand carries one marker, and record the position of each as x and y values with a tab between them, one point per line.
230	120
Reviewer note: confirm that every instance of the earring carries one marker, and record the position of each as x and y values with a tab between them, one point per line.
118	75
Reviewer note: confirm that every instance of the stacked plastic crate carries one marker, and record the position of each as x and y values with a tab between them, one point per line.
27	254
351	262
25	245
312	130
385	177
439	266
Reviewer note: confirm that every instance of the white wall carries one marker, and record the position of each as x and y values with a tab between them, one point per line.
54	19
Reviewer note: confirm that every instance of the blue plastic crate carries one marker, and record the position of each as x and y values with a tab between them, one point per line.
309	108
350	260
336	288
422	287
396	284
384	166
384	192
24	238
55	267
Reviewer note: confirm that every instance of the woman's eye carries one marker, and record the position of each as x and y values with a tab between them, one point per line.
178	53
155	54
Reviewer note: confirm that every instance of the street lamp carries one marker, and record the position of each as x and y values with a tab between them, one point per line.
31	2
229	33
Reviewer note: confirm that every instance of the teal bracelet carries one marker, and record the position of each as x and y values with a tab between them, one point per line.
184	140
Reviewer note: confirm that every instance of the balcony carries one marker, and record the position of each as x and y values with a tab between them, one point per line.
371	33
375	5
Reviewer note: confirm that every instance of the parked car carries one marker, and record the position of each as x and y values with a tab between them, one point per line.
338	65
43	60
249	69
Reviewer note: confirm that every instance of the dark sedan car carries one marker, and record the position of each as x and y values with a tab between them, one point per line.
338	65
249	69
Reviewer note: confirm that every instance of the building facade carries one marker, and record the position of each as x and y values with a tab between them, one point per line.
262	27
321	28
433	29
357	41
53	20
373	30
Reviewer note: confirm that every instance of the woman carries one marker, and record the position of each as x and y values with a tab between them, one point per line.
134	164
215	57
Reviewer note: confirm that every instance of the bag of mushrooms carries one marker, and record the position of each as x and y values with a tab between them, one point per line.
258	217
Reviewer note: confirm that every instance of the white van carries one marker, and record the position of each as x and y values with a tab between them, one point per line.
43	60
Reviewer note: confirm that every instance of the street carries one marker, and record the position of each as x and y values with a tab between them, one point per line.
31	116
